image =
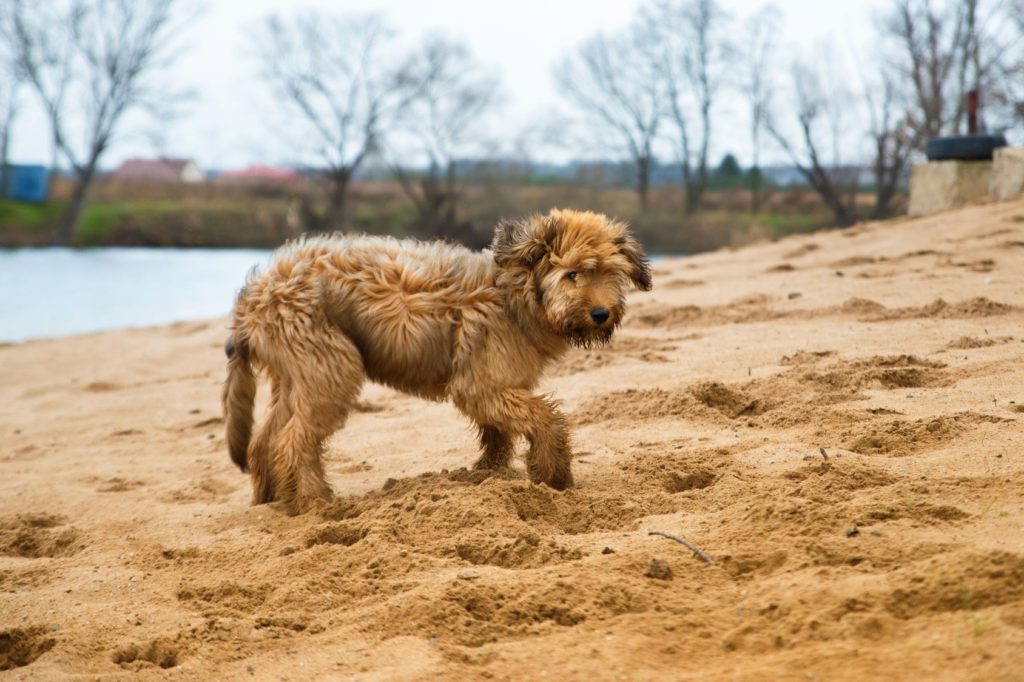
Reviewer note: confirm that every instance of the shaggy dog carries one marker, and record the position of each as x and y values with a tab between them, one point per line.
431	319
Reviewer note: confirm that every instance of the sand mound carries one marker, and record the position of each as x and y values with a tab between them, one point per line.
840	436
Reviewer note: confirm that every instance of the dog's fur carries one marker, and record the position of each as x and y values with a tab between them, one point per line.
431	319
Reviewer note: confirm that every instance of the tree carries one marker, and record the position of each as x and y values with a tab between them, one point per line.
441	122
10	84
944	50
819	112
925	42
756	86
892	140
1013	70
728	168
614	82
97	57
335	74
693	57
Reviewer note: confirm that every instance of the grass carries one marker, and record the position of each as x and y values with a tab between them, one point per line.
978	621
781	224
100	221
29	216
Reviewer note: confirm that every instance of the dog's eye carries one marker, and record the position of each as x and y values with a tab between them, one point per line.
572	275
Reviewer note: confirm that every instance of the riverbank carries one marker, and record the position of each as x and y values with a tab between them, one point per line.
210	215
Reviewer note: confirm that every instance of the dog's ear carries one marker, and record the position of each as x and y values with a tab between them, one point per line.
640	267
521	243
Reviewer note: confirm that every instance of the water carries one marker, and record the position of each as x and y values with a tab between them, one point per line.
56	292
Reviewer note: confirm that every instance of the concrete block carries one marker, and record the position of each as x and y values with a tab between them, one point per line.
1007	180
941	185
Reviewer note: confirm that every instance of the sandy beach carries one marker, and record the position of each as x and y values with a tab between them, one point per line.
833	419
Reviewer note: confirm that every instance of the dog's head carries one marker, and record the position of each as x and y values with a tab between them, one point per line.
571	269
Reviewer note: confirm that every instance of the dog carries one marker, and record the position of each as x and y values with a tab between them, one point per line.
431	319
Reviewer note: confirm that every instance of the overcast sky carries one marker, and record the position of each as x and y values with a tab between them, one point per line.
233	120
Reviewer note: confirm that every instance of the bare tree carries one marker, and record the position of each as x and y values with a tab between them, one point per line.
818	114
756	86
693	57
10	83
615	84
335	73
1013	69
885	107
945	49
103	54
925	38
891	136
441	123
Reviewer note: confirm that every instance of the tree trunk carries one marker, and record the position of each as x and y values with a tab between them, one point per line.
643	181
5	138
844	217
883	197
885	190
755	189
338	200
695	187
687	185
694	194
68	224
449	214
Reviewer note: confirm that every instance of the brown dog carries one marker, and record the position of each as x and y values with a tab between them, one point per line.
431	319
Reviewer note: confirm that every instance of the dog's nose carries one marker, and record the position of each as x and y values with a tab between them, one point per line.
599	315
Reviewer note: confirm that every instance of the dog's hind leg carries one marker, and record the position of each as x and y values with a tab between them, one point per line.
326	373
519	412
259	456
497	448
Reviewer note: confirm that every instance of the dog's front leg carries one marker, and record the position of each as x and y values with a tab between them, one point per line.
497	448
519	412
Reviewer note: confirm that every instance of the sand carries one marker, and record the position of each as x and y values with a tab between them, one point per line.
834	419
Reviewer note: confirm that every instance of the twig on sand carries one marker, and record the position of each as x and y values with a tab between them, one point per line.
696	550
823	453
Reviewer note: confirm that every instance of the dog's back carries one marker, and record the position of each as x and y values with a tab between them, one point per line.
401	302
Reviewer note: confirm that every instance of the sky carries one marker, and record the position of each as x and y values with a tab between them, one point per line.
232	121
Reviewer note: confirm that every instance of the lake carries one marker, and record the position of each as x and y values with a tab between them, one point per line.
56	292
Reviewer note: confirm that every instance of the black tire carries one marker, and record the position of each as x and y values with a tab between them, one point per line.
963	147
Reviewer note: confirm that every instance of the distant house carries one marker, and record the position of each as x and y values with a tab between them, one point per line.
26	183
260	174
159	170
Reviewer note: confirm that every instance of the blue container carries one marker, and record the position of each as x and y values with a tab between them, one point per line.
28	183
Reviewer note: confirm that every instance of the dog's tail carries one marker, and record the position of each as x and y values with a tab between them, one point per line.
238	398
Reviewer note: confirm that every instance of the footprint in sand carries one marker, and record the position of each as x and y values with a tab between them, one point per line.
801	251
101	387
224	599
210	491
970	342
21	646
38	535
900	437
681	284
871	311
162	653
119	485
855	261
